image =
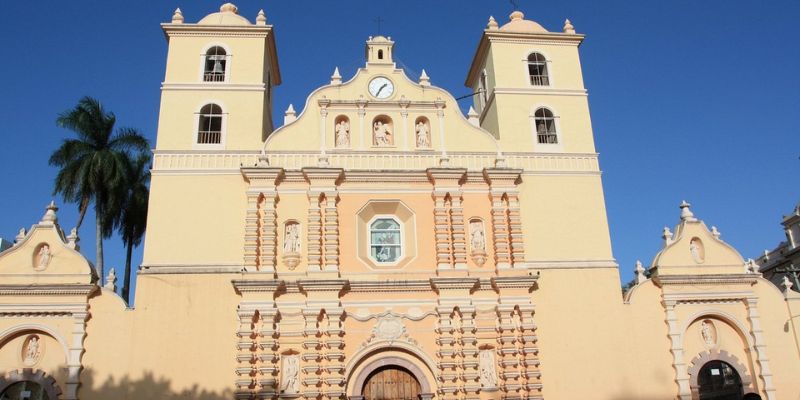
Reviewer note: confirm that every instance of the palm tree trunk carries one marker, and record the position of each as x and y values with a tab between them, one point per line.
82	212
126	280
99	260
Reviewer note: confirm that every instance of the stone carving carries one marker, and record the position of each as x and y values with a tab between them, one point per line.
389	327
423	135
290	382
342	133
111	280
291	245
708	333
31	350
488	374
787	284
697	250
382	134
640	276
42	258
477	241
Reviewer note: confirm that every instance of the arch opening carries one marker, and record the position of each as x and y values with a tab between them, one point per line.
391	382
718	380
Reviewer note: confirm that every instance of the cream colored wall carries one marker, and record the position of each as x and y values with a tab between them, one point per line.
195	219
185	58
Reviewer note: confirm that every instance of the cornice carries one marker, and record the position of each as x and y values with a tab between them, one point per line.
48	290
515	282
416	285
464	283
322	285
256	31
257	285
707	279
214	86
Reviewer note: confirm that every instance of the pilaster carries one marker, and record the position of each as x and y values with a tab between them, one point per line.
760	346
260	218
450	232
506	222
323	219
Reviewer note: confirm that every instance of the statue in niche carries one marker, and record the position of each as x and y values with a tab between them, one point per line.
343	134
43	257
423	141
291	242
31	353
696	248
478	238
382	135
290	384
488	372
707	333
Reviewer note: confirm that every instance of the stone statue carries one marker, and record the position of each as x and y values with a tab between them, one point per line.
32	351
381	134
290	384
707	333
696	248
43	257
343	134
422	135
292	239
488	372
478	238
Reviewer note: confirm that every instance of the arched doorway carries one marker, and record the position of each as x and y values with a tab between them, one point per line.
391	382
24	390
718	380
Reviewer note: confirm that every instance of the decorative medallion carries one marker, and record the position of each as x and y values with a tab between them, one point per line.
389	327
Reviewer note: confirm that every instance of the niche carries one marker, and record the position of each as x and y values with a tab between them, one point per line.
422	129
382	131
341	129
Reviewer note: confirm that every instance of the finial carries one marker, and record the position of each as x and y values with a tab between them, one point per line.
766	255
666	234
73	239
177	17
229	7
750	266
787	284
640	277
424	79
289	115
686	213
492	24
336	78
568	28
473	117
261	19
50	217
516	15
263	161
20	236
111	281
715	232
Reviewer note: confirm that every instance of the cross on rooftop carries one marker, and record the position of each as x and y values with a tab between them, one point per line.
378	21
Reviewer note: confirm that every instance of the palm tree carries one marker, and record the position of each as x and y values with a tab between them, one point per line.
132	220
93	166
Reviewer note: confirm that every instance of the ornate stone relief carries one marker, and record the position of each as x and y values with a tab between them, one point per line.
389	328
342	130
423	130
32	349
488	371
382	132
42	257
708	332
698	250
290	370
413	314
477	241
291	244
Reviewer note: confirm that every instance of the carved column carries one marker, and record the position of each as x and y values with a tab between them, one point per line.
267	349
74	363
506	223
444	160
404	115
450	233
331	229
334	344
269	228
311	355
323	123
676	348
441	222
445	341
515	228
251	231
502	253
508	352
458	229
245	346
362	112
529	352
470	375
314	231
760	346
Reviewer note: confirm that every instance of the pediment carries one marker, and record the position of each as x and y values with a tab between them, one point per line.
44	255
379	120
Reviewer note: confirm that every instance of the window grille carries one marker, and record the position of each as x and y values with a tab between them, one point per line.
545	126
537	70
216	62
384	242
209	130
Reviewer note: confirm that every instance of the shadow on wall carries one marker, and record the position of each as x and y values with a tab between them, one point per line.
146	387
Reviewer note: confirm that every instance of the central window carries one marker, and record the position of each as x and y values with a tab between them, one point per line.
385	240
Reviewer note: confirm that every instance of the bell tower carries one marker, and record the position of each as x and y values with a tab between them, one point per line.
379	50
529	87
217	90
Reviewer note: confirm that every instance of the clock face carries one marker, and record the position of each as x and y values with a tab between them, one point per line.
381	87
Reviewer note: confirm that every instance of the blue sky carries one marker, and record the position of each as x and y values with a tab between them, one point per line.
690	100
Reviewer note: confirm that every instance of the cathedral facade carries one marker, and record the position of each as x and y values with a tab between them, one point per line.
382	245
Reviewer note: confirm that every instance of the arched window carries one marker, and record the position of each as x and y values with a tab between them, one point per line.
537	70
384	240
380	54
545	126
209	129
215	64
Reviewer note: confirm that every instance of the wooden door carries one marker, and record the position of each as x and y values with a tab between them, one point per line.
391	383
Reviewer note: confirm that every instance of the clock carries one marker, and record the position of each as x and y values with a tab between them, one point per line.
381	88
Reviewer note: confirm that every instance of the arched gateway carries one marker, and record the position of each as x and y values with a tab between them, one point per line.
390	378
